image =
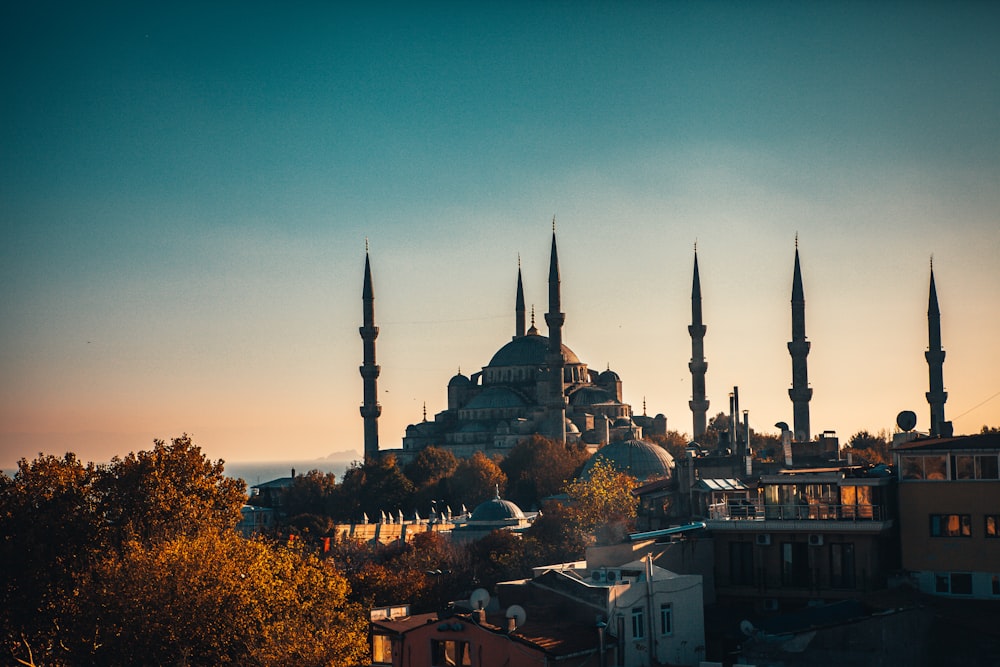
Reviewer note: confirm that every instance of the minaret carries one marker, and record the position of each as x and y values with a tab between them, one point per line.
937	396
370	409
697	365
519	304
555	319
800	393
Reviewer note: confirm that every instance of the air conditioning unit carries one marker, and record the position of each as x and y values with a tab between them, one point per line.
763	539
612	576
598	576
815	540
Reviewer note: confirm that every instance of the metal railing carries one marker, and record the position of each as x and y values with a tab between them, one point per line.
751	510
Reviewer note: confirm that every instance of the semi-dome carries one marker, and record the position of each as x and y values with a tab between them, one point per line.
497	510
591	396
638	458
459	380
528	351
609	376
496	397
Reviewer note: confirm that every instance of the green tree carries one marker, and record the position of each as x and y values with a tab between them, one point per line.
312	493
539	467
430	466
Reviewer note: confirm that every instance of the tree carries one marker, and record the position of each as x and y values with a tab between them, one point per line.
170	490
371	487
870	449
312	493
603	503
539	467
218	598
555	536
499	556
476	480
429	466
50	529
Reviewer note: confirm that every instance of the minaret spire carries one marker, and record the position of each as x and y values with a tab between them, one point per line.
937	396
555	319
798	348
370	409
519	304
697	365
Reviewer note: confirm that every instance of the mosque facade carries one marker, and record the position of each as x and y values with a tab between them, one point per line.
533	385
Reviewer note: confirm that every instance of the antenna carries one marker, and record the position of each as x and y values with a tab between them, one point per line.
479	598
516	616
906	420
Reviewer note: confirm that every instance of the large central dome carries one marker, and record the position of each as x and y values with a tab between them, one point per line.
530	350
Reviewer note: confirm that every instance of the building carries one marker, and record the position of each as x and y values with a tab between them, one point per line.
806	536
949	500
533	385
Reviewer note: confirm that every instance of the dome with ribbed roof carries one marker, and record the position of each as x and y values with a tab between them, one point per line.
528	350
497	510
459	380
496	397
638	458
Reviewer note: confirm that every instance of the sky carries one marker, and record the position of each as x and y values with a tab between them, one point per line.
186	191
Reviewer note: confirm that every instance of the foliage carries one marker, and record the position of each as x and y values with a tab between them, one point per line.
989	429
171	490
871	449
555	537
430	466
476	480
217	598
539	467
372	487
603	504
499	556
312	493
138	562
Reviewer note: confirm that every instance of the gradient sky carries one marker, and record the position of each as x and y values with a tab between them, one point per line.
186	189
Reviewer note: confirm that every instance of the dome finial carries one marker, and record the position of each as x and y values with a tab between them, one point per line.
643	407
366	245
498	491
796	240
696	245
425	410
553	223
932	262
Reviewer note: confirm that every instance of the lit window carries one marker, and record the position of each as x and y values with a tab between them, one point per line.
951	525
992	528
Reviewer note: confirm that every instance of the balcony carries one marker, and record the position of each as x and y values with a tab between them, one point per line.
756	515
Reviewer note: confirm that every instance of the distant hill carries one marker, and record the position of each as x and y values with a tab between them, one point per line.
346	455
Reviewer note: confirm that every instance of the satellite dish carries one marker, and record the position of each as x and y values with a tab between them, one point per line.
479	598
746	627
518	614
906	420
782	425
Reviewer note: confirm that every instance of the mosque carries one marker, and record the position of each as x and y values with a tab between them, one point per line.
534	384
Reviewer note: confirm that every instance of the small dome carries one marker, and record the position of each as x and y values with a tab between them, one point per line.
459	381
496	510
643	460
608	376
528	350
623	422
591	396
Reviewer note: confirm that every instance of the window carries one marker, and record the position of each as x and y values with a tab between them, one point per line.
638	624
951	525
925	467
741	563
795	564
842	566
996	584
941	583
666	619
381	650
450	653
975	467
992	527
961	583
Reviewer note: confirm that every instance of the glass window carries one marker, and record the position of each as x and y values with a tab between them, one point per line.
638	625
795	564
941	583
987	468
965	467
842	566
961	583
666	619
935	467
951	525
741	563
913	467
381	650
449	653
992	528
996	584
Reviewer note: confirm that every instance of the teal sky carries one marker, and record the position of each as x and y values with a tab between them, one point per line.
185	193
